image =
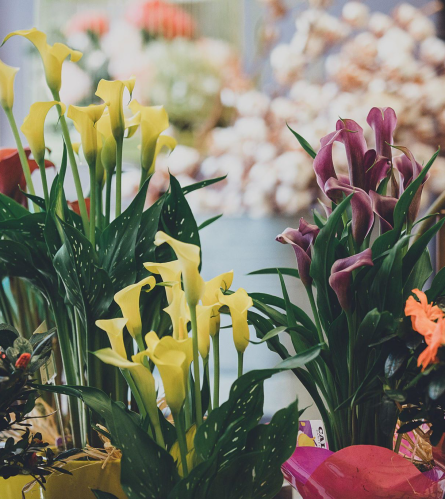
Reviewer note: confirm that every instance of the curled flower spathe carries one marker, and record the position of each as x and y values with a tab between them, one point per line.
7	77
170	273
115	331
239	304
341	276
179	312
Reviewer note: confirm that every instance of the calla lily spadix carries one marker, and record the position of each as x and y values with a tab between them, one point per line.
85	119
7	77
189	259
169	271
178	312
52	56
33	127
115	331
112	93
153	121
128	300
238	303
172	358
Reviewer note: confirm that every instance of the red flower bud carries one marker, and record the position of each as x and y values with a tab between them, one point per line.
23	361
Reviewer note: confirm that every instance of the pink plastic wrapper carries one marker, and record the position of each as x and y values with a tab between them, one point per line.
357	472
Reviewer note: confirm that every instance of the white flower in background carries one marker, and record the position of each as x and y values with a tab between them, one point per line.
421	27
432	51
356	14
405	13
379	23
76	84
254	128
253	103
182	160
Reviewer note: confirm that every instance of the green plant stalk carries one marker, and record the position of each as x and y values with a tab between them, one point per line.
22	155
310	294
93	190
198	403
216	369
80	351
42	169
182	441
5	306
74	169
207	372
119	151
240	363
127	376
351	389
99	206
144	175
108	181
188	407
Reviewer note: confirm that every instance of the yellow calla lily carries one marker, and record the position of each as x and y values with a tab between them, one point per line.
112	93
203	315
7	77
210	297
238	303
142	376
108	154
33	127
189	259
128	300
179	313
153	121
85	119
52	56
175	451
169	271
115	331
172	358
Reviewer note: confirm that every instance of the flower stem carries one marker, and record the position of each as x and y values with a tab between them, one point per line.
119	148
310	294
144	175
216	370
182	441
22	155
74	169
198	403
44	182
93	206
5	306
240	363
207	372
352	419
108	181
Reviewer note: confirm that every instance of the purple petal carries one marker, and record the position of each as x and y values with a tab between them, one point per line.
341	275
323	163
383	121
376	168
355	146
383	206
362	213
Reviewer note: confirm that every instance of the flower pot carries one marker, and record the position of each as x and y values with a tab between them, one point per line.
86	475
12	487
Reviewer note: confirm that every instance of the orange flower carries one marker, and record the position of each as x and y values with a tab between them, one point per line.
93	22
74	205
423	314
434	341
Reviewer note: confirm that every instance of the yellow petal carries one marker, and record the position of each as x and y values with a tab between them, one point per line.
169	271
238	303
203	315
85	119
128	300
112	93
178	312
213	287
52	56
7	77
33	127
76	147
108	154
115	331
172	358
132	124
175	451
189	260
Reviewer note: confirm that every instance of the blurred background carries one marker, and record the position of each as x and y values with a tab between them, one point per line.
232	74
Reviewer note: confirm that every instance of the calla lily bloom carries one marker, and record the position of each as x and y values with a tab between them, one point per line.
341	275
238	303
115	331
169	271
189	259
128	300
112	93
172	358
153	121
33	127
383	121
175	451
302	240
178	312
7	77
12	178
52	56
203	317
210	298
85	119
141	375
108	151
384	206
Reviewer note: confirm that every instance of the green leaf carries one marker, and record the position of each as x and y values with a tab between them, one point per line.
102	494
10	209
288	271
396	395
437	286
201	184
338	339
118	243
270	335
319	219
436	388
209	221
418	276
300	360
30	226
145	247
304	144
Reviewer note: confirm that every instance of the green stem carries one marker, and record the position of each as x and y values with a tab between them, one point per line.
127	376
99	206
240	363
310	294
80	357
22	155
108	181
5	306
198	403
216	370
93	206
351	390
42	169
144	175
207	372
119	150
188	407
182	441
74	169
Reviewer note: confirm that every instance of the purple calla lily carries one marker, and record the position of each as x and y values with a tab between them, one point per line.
383	121
341	276
384	206
301	240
